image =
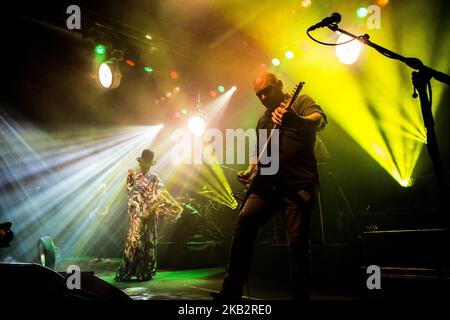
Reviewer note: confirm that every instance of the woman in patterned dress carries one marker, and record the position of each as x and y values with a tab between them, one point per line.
147	201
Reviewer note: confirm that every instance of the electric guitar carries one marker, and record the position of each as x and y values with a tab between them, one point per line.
249	183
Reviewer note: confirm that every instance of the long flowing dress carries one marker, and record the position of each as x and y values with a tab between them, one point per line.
148	200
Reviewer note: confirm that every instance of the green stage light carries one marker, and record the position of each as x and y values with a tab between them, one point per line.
361	12
148	69
221	89
100	50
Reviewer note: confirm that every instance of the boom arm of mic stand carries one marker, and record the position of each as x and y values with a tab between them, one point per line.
413	63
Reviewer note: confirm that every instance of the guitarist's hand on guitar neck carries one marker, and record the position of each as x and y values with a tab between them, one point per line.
278	113
312	122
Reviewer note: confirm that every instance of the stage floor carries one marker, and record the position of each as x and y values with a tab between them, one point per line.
187	284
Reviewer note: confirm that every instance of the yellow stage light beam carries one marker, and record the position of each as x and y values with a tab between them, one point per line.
375	106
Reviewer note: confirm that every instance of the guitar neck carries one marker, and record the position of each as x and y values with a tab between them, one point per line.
295	95
288	105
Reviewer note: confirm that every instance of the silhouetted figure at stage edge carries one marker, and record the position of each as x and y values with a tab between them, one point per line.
292	190
148	200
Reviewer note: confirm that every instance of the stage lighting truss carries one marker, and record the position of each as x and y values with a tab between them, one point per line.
109	74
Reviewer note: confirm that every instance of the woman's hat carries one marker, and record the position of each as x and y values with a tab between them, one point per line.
146	157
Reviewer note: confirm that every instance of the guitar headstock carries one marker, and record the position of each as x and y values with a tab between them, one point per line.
295	92
297	89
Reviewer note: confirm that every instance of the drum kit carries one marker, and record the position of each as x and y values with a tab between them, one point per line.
197	219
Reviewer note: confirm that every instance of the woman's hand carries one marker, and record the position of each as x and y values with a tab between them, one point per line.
130	179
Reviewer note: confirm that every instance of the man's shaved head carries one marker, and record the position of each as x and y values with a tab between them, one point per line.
264	80
269	89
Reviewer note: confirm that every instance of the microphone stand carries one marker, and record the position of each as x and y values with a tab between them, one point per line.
420	80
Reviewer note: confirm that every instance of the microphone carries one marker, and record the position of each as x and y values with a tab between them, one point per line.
334	18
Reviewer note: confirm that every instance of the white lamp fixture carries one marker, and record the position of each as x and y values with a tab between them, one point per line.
109	75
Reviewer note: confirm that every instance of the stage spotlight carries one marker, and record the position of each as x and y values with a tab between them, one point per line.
306	3
233	88
174	75
109	75
276	62
289	55
184	111
408	182
131	63
46	252
348	53
382	3
221	89
196	125
148	69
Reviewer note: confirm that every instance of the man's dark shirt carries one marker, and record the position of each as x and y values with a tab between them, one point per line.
297	165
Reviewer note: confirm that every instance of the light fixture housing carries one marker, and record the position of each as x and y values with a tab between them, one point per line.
109	75
46	252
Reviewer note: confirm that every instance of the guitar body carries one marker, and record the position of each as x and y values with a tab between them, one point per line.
255	181
255	178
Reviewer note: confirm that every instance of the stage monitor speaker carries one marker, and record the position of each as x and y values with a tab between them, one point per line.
26	281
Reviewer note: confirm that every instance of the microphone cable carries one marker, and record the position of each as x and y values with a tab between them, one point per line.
332	44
